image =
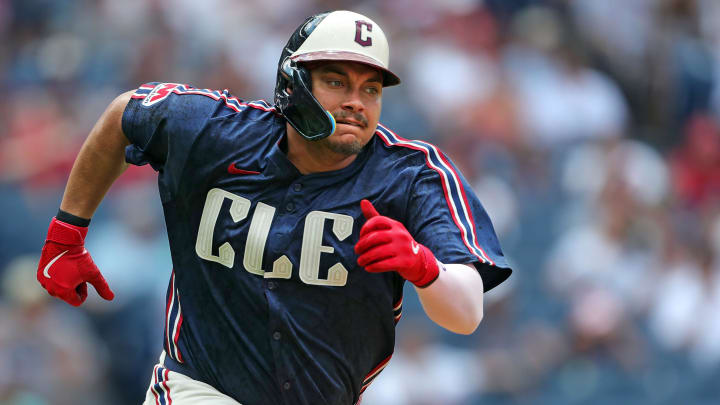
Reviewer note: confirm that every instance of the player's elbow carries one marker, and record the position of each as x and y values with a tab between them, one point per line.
468	323
471	324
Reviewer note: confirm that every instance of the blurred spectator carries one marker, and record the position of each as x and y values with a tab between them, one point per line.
48	351
611	240
40	142
424	371
695	164
131	324
560	98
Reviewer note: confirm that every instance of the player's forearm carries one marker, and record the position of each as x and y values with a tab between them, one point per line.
100	161
455	300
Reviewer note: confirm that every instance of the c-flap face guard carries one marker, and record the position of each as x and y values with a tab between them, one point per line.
304	112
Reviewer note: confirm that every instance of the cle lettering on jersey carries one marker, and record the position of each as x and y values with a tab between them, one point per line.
311	250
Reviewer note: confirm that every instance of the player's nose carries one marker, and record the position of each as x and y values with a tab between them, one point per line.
353	102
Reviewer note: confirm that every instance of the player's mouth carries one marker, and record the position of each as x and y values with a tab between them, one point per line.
350	118
351	122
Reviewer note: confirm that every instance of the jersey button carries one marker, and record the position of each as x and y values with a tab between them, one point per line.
272	285
286	385
297	186
289	207
277	335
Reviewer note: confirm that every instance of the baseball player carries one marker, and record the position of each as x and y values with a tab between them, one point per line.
292	226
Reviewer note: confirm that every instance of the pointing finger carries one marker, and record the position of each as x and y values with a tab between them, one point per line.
368	210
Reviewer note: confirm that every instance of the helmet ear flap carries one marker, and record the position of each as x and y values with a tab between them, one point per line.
286	69
285	79
300	108
293	89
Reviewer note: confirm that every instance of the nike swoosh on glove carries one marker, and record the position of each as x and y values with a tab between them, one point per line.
65	266
386	245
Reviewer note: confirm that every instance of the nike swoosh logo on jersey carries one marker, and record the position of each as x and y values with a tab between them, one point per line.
415	247
234	170
47	266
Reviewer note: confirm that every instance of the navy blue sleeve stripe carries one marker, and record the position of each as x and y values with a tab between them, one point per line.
452	186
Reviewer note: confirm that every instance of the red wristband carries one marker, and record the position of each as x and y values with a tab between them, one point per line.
66	234
432	270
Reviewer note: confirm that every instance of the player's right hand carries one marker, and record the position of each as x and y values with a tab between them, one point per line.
386	245
66	266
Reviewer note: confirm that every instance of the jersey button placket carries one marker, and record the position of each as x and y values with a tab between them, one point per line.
286	385
277	335
271	285
297	187
289	207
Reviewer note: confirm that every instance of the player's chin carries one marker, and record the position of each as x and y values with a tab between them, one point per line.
350	133
345	144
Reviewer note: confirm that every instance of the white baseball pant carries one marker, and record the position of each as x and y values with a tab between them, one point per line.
172	388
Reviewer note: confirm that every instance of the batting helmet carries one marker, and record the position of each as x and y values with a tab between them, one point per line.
336	35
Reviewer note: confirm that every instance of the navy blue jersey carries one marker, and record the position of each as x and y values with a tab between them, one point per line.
266	301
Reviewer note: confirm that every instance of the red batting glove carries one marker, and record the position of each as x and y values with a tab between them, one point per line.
386	245
65	266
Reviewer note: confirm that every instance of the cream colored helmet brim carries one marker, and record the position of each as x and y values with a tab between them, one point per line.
348	36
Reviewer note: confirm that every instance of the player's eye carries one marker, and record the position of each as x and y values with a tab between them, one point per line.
373	90
334	83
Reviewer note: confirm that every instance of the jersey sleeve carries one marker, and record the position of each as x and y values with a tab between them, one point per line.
163	121
156	113
446	216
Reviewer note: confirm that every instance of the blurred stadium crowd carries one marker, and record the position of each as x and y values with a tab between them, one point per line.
590	130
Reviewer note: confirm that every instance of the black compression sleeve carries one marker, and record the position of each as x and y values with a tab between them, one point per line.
72	219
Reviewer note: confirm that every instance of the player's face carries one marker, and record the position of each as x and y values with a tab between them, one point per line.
352	92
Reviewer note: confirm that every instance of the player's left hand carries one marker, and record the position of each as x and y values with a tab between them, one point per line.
386	245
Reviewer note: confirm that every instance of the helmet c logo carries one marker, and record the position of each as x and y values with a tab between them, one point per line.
367	41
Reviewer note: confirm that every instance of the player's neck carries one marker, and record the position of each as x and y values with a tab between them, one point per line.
309	157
